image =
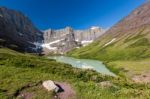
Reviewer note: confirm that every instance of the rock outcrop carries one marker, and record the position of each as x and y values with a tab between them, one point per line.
16	30
63	40
89	35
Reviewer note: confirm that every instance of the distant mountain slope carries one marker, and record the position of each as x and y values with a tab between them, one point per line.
17	31
128	39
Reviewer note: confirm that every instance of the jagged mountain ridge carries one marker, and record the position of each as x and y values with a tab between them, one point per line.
63	40
59	41
16	30
89	34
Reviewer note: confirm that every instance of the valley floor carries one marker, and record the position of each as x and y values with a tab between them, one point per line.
18	70
138	71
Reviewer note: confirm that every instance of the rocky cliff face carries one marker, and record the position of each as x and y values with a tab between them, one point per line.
87	36
16	30
59	41
66	39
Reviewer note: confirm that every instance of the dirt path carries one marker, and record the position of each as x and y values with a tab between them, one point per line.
143	78
66	91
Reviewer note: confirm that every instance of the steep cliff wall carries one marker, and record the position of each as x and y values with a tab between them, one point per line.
17	31
66	39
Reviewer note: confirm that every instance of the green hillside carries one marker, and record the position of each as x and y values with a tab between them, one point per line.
125	46
129	39
124	49
133	46
131	52
18	70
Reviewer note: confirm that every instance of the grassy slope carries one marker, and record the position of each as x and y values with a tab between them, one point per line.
137	67
18	70
126	47
124	52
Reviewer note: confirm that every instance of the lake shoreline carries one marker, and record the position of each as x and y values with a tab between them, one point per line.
89	64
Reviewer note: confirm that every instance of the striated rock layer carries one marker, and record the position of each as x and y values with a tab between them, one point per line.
63	40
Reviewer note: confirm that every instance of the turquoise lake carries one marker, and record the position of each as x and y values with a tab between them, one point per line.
84	64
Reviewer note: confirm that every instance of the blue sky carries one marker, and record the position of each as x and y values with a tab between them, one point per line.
79	14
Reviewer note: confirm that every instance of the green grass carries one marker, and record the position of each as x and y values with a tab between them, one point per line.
128	56
134	46
111	54
18	70
136	67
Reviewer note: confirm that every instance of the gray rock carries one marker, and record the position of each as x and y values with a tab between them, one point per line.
17	29
70	38
50	86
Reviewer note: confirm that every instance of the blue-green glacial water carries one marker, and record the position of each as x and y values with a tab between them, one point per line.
84	64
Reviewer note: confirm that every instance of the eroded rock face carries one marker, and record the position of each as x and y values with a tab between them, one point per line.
132	23
17	29
60	41
18	32
88	34
67	39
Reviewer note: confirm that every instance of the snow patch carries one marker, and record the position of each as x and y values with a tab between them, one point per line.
1	15
48	45
110	42
94	27
56	41
77	40
85	42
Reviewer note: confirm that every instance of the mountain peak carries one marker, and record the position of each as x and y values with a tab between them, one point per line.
94	27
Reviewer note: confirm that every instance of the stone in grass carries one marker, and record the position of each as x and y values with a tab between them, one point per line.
106	84
50	86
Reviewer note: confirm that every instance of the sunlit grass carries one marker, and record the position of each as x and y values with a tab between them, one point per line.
18	70
136	67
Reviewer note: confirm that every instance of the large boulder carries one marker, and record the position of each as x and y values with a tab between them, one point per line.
50	86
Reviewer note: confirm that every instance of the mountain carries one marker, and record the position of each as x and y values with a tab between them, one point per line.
22	74
59	41
129	39
17	31
63	40
89	35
